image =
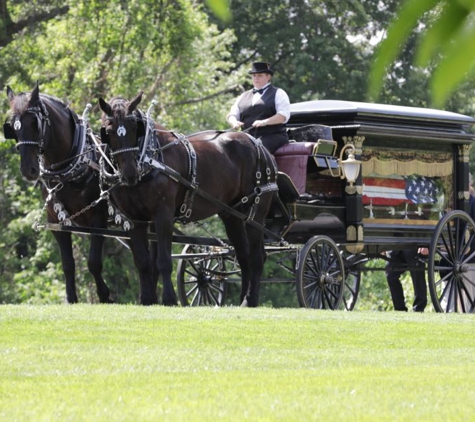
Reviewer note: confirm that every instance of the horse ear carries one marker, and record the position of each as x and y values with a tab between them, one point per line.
10	93
134	103
35	95
105	107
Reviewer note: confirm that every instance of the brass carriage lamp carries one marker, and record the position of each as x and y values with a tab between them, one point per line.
350	168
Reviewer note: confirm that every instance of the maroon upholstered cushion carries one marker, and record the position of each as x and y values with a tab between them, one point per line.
292	159
295	148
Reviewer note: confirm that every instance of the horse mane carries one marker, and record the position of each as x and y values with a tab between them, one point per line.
119	105
21	102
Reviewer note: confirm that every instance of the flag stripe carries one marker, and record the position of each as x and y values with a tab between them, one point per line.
383	191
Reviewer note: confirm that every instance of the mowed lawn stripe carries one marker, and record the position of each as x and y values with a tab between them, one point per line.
86	362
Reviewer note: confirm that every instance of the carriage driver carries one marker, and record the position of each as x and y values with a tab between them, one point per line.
265	108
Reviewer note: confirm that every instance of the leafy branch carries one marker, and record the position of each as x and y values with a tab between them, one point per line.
448	42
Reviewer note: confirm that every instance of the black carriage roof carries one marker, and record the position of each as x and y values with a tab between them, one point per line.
350	117
338	107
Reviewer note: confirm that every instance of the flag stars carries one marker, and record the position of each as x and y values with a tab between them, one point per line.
421	190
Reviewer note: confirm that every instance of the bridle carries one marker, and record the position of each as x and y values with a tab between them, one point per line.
147	144
42	118
82	154
125	149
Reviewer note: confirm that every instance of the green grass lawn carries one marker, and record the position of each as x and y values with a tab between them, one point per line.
131	363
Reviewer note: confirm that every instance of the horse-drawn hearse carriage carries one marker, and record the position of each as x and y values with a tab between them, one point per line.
412	191
405	184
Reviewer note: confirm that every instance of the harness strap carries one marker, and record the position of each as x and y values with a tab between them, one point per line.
187	206
26	143
177	177
258	190
123	150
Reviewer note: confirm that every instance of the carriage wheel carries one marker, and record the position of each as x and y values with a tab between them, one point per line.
352	288
320	274
202	281
452	264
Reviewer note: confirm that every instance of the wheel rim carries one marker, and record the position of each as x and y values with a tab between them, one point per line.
351	290
452	264
320	275
201	281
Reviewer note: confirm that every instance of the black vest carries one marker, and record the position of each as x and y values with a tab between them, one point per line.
262	109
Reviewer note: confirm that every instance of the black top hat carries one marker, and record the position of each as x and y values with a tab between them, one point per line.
261	67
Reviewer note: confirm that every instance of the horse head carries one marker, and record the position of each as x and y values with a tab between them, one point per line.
31	126
25	126
122	126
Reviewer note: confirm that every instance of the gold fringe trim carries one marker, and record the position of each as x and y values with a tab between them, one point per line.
406	168
406	162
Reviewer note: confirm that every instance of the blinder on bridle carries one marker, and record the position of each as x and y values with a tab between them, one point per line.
104	135
8	131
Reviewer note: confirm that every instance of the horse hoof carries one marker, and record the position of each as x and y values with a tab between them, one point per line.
71	301
148	302
246	303
107	300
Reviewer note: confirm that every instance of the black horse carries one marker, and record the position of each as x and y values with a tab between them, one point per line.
56	150
165	176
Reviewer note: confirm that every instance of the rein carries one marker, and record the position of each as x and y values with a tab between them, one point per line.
177	177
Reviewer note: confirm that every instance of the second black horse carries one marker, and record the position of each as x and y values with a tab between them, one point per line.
164	176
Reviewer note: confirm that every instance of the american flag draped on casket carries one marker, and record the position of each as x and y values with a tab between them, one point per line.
397	190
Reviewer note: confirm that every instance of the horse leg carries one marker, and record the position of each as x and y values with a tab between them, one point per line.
236	233
67	261
153	253
94	264
164	264
257	258
143	263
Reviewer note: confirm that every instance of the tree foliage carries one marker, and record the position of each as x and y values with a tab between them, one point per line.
221	9
446	37
319	50
18	16
192	58
167	49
